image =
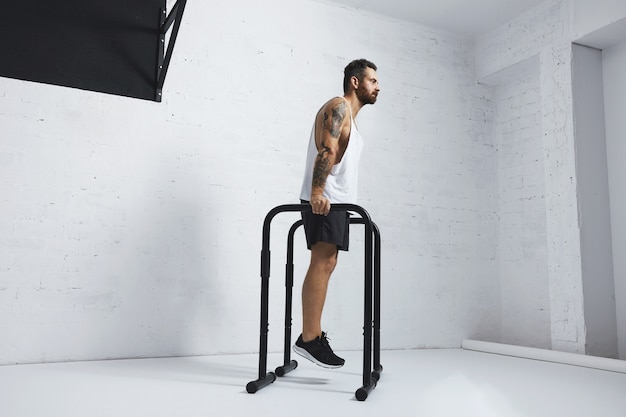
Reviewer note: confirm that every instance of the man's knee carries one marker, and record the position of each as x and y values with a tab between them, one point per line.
324	255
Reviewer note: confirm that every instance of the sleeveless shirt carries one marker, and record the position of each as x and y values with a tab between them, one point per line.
342	181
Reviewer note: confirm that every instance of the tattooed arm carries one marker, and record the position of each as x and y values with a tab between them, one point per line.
332	129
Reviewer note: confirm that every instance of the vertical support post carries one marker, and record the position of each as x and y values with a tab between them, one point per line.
377	366
369	383
288	364
265	378
367	318
264	326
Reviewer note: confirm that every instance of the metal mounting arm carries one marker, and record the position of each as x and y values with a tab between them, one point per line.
175	17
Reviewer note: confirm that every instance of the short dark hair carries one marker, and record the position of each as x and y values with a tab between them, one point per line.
356	68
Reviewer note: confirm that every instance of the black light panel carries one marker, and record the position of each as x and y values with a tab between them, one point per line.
108	46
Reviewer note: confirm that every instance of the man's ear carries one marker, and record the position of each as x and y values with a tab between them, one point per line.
354	81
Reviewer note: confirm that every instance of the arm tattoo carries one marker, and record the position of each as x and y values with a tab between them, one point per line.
323	160
339	113
320	170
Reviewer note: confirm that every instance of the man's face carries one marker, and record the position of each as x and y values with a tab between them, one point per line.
368	89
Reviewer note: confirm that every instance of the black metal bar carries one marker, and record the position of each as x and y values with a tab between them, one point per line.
362	393
370	379
289	290
265	378
165	26
176	15
160	52
378	368
288	364
264	325
264	322
368	382
376	299
254	386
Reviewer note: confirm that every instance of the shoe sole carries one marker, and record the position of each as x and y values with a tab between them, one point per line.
305	354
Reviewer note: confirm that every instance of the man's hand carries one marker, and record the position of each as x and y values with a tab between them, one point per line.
320	205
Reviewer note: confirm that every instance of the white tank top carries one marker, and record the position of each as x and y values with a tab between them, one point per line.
342	182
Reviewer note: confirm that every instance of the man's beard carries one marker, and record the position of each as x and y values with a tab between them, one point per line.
365	97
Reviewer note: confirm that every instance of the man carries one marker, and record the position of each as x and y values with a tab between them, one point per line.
331	177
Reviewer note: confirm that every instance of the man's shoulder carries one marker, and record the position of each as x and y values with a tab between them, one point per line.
333	104
337	101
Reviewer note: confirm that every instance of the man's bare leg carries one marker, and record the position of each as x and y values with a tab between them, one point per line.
323	262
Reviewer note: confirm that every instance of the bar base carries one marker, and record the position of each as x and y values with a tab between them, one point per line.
254	386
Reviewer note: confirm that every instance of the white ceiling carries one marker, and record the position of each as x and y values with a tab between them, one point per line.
467	17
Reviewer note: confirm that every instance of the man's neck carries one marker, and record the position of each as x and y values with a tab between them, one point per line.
355	103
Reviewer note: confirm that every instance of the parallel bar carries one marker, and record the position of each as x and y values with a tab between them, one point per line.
372	281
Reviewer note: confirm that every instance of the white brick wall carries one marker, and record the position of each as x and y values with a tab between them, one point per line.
614	63
523	272
133	228
523	37
130	228
546	32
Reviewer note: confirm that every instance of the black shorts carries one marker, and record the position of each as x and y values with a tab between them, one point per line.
334	228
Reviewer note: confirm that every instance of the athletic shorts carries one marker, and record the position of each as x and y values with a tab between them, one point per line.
334	228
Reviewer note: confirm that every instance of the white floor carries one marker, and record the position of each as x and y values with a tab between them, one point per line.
427	383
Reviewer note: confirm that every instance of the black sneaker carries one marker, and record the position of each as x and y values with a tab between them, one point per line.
319	352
